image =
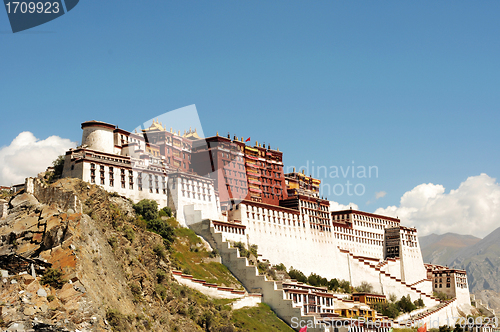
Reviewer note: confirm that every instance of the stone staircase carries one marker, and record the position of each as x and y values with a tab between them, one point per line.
388	280
428	314
272	292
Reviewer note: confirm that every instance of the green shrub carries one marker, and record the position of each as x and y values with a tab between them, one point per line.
163	229
53	277
242	249
58	165
316	280
333	284
129	233
147	208
165	212
161	275
161	291
390	310
50	298
405	304
442	296
280	267
214	253
345	286
297	275
117	320
159	251
365	287
419	303
262	267
136	292
253	250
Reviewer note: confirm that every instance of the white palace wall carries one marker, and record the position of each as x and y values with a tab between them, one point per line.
412	264
194	198
303	248
166	189
393	267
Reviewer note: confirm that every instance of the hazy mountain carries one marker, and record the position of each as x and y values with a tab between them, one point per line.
482	262
479	257
440	249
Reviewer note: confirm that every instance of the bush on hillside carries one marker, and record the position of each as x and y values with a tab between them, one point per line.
165	212
147	208
365	287
53	277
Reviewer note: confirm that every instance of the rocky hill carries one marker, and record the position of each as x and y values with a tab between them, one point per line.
482	263
74	257
479	257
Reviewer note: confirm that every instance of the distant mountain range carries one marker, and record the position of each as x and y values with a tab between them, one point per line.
440	249
479	257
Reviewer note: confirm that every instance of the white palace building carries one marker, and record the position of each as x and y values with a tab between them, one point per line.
243	192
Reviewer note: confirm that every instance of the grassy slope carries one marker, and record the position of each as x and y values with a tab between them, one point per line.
189	258
260	318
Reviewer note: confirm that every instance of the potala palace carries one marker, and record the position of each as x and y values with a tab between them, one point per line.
229	191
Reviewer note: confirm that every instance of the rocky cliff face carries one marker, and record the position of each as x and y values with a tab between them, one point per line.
115	274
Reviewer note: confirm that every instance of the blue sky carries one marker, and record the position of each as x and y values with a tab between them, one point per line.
409	87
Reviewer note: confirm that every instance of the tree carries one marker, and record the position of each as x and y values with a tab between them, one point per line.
365	287
253	250
297	275
58	165
419	303
405	304
390	310
280	267
316	280
147	208
345	286
333	284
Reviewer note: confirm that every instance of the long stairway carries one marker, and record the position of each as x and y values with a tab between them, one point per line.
272	292
388	280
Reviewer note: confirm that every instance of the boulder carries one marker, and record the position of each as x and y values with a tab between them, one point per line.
41	292
23	201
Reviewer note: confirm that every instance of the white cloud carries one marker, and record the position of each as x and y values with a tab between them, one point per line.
27	156
334	206
380	194
473	208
